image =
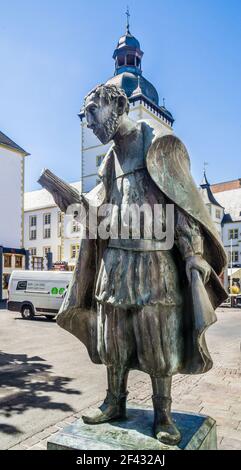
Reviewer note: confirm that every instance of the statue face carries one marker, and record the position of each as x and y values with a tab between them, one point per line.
101	117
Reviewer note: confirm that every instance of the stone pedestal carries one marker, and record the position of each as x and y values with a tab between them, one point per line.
135	433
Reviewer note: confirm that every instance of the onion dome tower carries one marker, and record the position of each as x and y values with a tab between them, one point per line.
128	75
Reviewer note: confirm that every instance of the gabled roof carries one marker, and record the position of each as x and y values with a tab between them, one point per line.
7	142
42	199
207	192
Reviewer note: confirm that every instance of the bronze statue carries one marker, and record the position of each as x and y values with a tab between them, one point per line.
133	304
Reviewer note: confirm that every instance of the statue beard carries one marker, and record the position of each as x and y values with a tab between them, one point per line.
106	131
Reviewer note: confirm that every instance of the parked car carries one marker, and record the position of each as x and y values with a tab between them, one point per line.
37	292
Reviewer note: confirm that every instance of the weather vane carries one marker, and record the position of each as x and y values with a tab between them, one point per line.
127	19
205	164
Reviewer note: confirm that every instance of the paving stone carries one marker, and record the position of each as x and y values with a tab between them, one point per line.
217	414
45	433
70	419
52	429
19	447
230	444
36	447
229	423
31	441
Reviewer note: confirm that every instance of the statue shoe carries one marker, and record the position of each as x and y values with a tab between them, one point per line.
165	429
113	407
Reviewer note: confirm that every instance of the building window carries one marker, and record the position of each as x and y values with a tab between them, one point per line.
46	249
47	232
75	226
33	234
18	261
218	214
32	227
234	256
47	219
33	221
37	263
7	261
47	222
74	251
32	251
233	233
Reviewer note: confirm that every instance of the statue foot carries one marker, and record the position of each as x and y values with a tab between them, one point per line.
167	432
165	429
111	409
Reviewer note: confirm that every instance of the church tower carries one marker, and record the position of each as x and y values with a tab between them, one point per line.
215	210
143	98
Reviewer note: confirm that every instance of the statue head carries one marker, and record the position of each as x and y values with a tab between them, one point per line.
104	108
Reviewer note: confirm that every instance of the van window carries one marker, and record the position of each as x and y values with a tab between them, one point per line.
22	285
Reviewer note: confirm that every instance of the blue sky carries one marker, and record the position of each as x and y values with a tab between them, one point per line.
53	51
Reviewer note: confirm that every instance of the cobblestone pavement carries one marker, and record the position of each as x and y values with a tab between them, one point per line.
216	393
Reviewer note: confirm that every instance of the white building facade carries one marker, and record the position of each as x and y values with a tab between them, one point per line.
223	201
228	195
12	253
47	230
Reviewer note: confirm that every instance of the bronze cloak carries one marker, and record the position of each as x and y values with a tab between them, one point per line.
168	164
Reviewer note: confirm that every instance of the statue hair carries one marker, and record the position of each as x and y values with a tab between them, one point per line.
109	93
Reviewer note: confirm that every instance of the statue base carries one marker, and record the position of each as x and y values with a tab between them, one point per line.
135	433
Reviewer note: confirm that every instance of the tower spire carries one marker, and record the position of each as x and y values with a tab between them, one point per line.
205	164
128	53
127	20
204	180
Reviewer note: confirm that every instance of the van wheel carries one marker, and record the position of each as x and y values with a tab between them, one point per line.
27	312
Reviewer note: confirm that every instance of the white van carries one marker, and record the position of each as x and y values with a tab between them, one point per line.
37	292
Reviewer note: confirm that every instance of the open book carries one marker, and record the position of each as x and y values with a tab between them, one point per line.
65	195
59	189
